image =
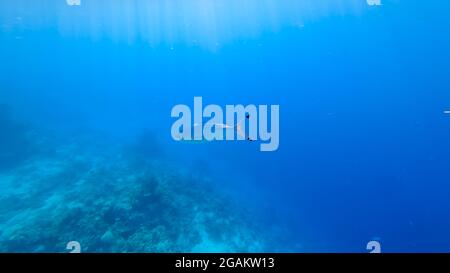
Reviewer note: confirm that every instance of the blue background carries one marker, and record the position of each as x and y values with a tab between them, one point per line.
364	141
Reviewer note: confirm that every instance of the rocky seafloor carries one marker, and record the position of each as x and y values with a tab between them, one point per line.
108	205
112	200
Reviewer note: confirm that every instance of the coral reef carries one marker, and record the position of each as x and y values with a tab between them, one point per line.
97	196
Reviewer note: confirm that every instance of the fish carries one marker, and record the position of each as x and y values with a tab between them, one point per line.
237	128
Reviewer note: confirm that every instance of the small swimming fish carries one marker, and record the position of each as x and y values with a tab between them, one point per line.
237	128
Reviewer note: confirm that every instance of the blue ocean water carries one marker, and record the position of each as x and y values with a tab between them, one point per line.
86	153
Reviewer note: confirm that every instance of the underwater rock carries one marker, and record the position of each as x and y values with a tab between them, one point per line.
110	204
15	145
144	148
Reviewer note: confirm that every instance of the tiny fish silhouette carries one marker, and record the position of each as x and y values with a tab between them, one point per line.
73	2
374	2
